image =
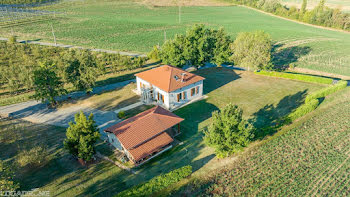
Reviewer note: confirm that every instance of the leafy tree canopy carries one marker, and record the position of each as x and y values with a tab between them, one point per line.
198	46
47	84
228	132
82	136
252	50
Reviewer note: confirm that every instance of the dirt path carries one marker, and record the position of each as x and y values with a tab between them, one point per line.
78	47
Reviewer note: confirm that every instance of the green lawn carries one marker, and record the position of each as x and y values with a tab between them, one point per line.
130	26
309	158
108	101
261	97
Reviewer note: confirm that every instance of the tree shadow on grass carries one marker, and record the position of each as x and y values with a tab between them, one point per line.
270	116
283	56
216	77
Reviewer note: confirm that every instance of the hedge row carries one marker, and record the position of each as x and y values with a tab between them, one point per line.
158	183
326	91
306	108
312	100
296	76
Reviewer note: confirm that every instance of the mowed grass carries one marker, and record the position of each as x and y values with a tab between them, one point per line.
62	176
108	101
309	158
131	26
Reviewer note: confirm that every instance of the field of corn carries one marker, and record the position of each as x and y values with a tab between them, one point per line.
134	26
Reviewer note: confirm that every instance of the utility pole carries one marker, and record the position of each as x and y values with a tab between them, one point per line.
53	34
164	36
179	13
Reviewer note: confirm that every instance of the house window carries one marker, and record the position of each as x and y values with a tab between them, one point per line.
160	97
197	90
184	95
179	97
193	91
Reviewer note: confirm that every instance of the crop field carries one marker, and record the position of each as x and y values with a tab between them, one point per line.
133	26
310	159
342	4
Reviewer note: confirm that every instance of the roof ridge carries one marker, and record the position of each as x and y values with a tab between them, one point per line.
171	73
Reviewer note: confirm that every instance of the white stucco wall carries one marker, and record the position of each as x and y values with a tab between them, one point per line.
170	99
112	139
187	89
155	91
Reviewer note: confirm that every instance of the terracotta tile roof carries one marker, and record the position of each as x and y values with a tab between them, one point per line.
151	146
145	128
168	78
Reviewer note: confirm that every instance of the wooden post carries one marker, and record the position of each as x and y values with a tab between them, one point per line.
53	34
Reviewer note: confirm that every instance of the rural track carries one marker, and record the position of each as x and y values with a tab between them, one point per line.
77	47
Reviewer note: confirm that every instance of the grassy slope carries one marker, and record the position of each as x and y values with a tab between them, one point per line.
310	157
66	178
130	26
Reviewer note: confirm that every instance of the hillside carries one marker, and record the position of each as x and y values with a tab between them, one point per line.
134	26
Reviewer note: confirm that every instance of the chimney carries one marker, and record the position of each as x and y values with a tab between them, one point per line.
183	77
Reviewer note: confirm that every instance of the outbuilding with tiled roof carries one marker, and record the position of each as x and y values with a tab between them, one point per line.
145	135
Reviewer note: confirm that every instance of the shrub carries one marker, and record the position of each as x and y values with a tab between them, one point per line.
326	91
296	76
154	54
6	178
121	114
158	183
303	109
34	157
13	39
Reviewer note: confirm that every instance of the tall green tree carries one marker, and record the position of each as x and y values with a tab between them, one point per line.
303	7
172	52
198	46
82	71
82	136
47	84
6	178
221	50
252	50
228	132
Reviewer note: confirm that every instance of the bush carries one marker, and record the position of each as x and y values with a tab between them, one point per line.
34	157
13	39
296	76
326	91
121	114
311	101
303	109
154	54
158	183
